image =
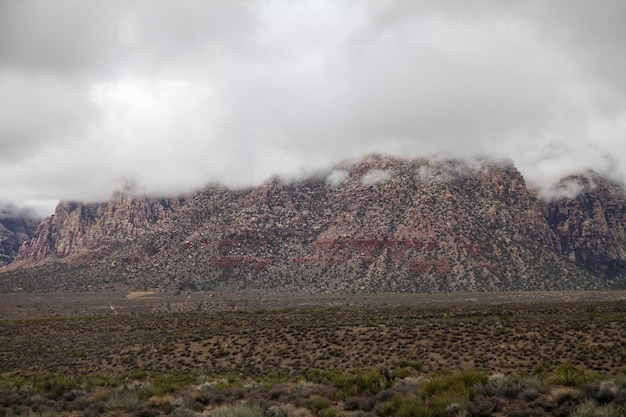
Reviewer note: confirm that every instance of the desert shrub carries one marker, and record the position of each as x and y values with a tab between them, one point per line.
560	401
359	403
370	382
562	394
359	382
54	385
11	381
620	379
159	385
97	380
277	392
620	397
528	395
401	373
146	411
405	406
440	396
601	391
351	403
503	386
462	385
585	409
482	406
540	369
285	410
329	412
317	405
440	391
181	412
276	411
96	408
20	410
78	404
589	408
568	375
526	412
10	397
126	401
404	364
240	410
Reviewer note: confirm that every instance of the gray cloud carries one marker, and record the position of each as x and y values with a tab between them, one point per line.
174	95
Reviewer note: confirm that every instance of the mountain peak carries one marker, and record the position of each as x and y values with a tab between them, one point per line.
377	224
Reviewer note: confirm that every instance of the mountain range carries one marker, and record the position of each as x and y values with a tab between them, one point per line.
379	224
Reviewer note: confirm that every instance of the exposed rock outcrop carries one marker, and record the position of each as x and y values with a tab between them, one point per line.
80	228
588	215
376	225
15	229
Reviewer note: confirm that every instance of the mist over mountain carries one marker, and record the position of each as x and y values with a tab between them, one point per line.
176	95
17	225
377	224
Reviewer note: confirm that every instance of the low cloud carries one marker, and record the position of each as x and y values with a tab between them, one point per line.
337	177
8	210
375	176
178	95
568	188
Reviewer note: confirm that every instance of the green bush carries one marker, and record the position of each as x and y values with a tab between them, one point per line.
360	382
436	396
317	405
370	382
127	402
590	408
568	375
157	385
446	389
54	385
405	406
463	385
328	412
620	379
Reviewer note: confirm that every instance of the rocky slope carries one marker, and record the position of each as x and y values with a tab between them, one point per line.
15	229
78	229
380	224
588	216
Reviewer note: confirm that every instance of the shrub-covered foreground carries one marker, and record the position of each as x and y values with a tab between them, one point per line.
566	390
515	360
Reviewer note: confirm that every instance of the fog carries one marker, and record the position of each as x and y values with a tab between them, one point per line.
173	95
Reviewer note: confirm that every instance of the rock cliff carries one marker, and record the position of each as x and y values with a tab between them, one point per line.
81	229
588	215
375	225
15	229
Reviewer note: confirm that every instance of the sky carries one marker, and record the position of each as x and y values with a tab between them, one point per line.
170	95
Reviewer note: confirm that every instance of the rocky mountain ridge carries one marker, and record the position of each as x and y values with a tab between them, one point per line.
376	225
78	228
15	229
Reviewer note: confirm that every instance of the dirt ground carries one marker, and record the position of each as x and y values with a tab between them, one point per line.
286	335
72	304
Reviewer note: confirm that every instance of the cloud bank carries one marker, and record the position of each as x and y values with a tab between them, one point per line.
174	95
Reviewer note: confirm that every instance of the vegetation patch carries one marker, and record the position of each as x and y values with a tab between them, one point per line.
507	360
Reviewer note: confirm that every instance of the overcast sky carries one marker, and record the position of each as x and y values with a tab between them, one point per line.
172	95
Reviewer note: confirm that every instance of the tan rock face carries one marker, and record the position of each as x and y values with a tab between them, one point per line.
380	224
590	225
77	228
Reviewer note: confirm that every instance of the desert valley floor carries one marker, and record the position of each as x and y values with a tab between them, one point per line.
250	344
